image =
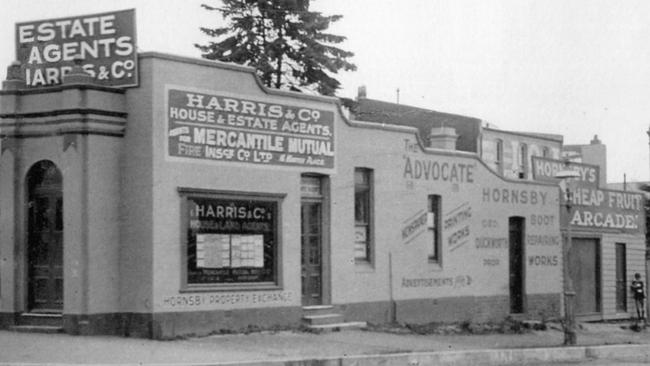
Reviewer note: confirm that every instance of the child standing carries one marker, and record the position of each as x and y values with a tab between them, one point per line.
638	290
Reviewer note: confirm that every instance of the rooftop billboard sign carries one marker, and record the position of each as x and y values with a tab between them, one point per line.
545	169
594	208
105	43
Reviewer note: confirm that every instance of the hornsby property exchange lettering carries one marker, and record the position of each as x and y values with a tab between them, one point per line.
215	127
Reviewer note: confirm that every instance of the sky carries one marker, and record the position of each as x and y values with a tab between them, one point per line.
575	68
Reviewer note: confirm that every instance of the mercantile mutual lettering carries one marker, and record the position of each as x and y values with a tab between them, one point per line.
263	142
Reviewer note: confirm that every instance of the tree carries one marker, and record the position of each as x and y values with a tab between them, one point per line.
283	40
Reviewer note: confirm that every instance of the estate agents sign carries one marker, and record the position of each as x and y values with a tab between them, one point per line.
105	42
214	127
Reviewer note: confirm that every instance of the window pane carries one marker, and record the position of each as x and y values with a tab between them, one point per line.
362	213
361	203
434	210
361	246
361	177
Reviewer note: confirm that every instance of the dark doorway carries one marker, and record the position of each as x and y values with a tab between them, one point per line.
516	260
621	278
311	249
584	269
45	238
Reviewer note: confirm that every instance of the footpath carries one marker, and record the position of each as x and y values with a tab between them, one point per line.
598	341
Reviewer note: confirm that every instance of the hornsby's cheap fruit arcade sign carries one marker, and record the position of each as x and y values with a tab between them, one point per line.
595	208
106	43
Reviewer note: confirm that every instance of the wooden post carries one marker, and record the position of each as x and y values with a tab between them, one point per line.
570	336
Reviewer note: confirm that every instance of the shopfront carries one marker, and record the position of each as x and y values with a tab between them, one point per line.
218	204
608	241
189	199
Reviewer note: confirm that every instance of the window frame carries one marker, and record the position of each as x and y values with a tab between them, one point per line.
498	161
276	200
368	188
523	161
434	206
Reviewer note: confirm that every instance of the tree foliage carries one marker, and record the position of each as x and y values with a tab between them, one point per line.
283	40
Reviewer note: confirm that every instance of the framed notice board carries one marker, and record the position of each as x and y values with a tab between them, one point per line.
230	239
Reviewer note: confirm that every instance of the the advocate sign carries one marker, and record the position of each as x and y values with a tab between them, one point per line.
105	42
209	126
595	208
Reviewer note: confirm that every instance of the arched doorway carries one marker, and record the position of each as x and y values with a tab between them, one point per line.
45	238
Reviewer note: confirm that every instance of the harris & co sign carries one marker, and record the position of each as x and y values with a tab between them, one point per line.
215	127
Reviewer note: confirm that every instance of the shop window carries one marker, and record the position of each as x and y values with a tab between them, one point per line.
433	223
362	214
231	239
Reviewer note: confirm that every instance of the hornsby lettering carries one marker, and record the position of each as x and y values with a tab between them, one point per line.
514	196
426	169
548	168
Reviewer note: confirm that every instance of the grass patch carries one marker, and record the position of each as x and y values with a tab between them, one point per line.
507	326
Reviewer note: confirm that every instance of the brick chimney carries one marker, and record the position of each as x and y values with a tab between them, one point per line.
361	92
443	138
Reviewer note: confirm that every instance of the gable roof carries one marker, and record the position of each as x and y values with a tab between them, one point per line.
371	110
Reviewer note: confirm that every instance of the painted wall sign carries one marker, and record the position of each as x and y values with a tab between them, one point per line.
491	243
238	298
414	226
543	260
429	169
608	216
542	240
595	208
454	282
106	42
545	169
514	196
456	223
217	127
